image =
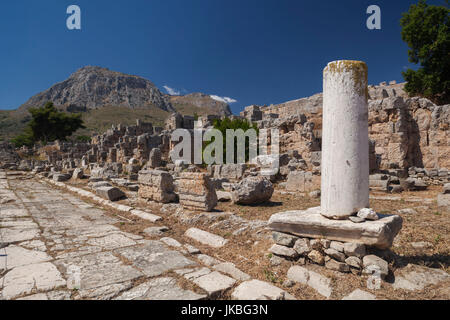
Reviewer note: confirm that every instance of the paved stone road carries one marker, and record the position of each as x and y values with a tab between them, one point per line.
55	238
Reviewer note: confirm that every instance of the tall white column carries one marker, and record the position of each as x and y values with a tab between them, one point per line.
345	139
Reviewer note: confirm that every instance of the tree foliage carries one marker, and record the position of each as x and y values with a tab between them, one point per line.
226	123
47	124
426	30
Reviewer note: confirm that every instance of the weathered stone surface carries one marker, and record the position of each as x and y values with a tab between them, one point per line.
231	270
102	274
223	196
153	258
35	297
100	184
356	219
367	214
145	215
316	281
283	251
359	295
160	289
110	193
301	181
252	190
171	242
111	241
156	185
354	262
316	257
18	256
354	249
208	260
443	200
302	246
310	223
259	290
61	177
339	256
78	173
214	283
229	171
421	245
155	158
407	211
207	238
192	249
22	280
196	192
336	245
371	261
345	139
156	231
17	234
337	266
446	189
284	239
416	278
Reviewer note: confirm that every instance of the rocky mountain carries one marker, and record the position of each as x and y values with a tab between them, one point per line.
95	87
106	98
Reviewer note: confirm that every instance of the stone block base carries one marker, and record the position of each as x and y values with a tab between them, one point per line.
311	224
339	256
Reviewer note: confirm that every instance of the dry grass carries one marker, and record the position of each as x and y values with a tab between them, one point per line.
249	251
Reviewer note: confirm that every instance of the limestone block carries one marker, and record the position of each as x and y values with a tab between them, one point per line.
310	223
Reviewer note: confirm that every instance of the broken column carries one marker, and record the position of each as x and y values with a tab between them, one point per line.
329	235
345	139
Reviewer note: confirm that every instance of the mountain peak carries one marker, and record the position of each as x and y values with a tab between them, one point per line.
93	87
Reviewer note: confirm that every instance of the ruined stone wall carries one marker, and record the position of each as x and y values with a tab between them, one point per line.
406	132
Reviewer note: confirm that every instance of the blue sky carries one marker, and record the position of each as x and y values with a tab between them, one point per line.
253	51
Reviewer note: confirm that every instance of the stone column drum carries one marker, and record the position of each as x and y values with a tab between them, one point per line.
345	139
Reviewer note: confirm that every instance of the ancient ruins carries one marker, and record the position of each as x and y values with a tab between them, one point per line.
117	218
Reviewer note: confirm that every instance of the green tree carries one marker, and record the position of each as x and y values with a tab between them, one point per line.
24	139
226	123
48	124
426	30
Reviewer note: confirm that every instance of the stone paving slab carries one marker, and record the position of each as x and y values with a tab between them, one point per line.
154	258
160	289
205	237
214	283
259	290
16	235
23	280
18	256
56	236
99	269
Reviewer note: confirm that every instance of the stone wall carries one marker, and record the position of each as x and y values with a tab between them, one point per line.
405	132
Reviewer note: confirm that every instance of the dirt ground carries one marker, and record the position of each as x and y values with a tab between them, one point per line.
249	250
